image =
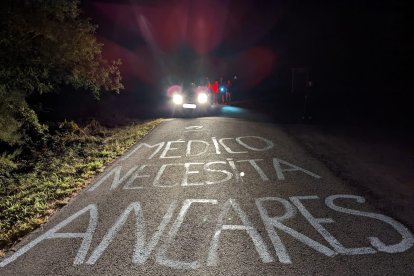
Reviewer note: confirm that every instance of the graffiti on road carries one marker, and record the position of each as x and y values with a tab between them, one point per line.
274	225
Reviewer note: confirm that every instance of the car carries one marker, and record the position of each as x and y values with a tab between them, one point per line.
190	99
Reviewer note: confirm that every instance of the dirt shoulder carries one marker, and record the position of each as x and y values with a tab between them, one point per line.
378	162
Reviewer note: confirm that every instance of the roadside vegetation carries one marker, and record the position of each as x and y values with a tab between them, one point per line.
47	48
63	161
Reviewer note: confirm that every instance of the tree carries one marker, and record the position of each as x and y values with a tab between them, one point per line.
45	44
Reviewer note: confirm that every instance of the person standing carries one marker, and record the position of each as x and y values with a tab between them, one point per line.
215	88
210	88
222	89
228	92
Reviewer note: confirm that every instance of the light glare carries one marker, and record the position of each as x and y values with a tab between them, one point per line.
177	99
202	98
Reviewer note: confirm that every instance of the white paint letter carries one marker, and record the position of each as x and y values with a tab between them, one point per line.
159	174
116	180
275	222
187	172
159	145
194	127
235	171
161	258
247	226
141	253
169	148
407	237
51	234
216	145
221	141
279	170
317	224
269	144
128	185
227	173
188	152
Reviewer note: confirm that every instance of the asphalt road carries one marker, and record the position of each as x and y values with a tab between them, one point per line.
216	196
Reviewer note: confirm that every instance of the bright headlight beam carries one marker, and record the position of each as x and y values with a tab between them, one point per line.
202	98
177	99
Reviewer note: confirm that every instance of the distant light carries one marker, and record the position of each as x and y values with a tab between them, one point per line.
177	99
202	98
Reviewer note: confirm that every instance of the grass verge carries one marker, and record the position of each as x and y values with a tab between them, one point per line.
39	186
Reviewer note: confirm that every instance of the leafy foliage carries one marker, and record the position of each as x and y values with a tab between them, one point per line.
35	186
44	45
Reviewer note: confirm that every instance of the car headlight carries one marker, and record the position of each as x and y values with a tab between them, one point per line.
202	98
177	99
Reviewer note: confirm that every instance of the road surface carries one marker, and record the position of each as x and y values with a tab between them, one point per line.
216	196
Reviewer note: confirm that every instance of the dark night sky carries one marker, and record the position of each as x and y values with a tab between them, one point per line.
359	52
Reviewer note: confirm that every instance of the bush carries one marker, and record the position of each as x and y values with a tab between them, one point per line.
36	182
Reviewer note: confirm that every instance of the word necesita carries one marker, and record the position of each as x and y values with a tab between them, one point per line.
273	225
214	172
